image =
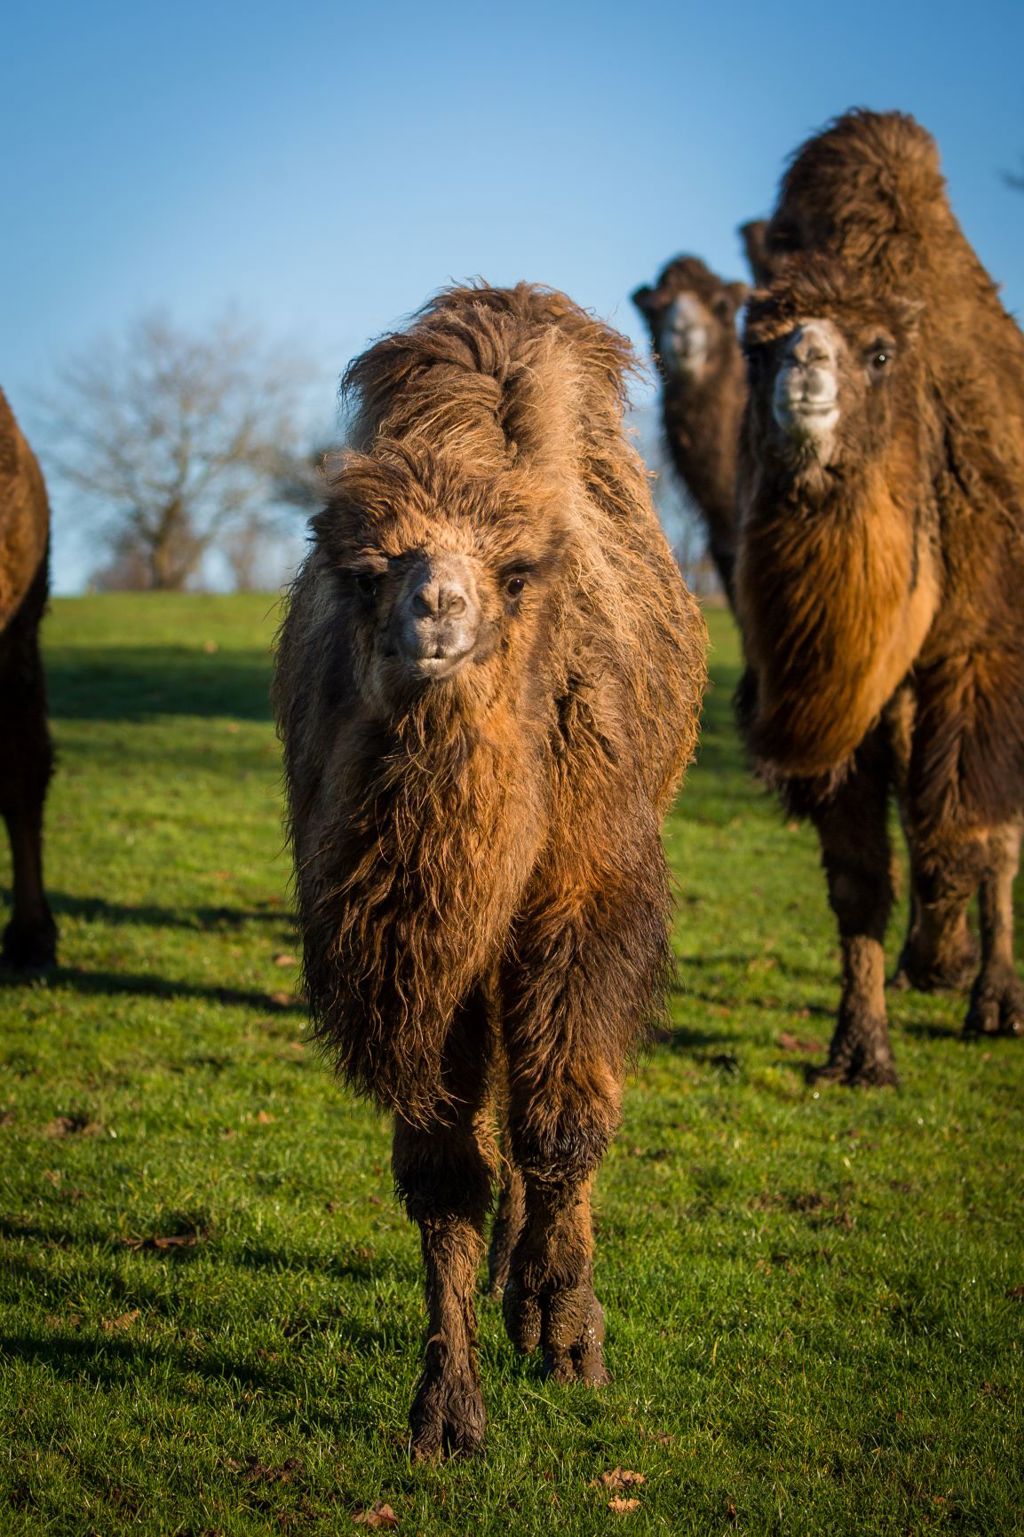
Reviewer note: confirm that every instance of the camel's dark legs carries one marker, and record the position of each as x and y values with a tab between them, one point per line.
505	1231
573	1004
855	852
939	952
26	764
443	1175
997	998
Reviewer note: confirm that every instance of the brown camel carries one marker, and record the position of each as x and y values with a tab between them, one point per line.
26	763
881	551
691	315
487	687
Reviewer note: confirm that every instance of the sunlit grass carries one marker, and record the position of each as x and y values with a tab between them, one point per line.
210	1304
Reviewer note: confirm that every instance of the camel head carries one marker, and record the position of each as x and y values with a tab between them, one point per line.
837	578
437	581
691	314
834	371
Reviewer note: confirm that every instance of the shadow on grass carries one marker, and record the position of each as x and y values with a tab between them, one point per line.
200	919
114	983
123	683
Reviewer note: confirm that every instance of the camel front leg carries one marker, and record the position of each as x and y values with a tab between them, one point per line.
26	764
577	991
855	852
443	1173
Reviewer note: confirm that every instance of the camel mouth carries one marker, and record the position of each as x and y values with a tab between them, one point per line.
436	668
805	418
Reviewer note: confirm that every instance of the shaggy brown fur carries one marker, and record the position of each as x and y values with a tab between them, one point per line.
704	390
878	583
487	687
26	763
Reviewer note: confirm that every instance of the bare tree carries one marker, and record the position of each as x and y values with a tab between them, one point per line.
175	438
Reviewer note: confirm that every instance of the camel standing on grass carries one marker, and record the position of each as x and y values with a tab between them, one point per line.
880	564
26	760
487	686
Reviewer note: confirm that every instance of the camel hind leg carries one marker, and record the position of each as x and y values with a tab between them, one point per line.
997	998
26	764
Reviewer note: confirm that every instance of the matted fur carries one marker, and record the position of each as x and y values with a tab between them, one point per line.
26	761
869	193
419	837
482	889
701	415
879	595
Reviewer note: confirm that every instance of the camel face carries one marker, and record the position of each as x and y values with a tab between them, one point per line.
435	618
685	337
805	393
435	586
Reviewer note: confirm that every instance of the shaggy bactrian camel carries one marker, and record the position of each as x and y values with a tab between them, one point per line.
691	315
487	688
26	759
881	555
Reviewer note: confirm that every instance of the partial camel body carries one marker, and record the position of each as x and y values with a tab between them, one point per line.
487	687
881	557
691	315
26	761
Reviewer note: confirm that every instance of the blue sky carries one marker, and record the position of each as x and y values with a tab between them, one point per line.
324	167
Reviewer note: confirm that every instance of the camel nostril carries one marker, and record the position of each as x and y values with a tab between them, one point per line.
436	601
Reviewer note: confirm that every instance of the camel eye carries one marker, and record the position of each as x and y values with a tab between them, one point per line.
515	585
367	583
879	358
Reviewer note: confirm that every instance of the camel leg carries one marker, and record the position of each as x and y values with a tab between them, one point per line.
30	938
997	998
505	1231
852	828
579	991
443	1175
939	953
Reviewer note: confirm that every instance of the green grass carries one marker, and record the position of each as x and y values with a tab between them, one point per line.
808	1296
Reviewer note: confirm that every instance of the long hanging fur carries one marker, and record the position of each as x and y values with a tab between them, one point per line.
868	193
422	837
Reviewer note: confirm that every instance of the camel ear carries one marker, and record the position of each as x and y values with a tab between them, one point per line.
755	246
643	298
739	293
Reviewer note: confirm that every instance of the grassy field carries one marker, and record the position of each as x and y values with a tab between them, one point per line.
211	1316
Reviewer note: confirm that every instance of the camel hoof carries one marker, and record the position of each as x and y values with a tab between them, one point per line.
523	1317
996	1007
932	974
863	1072
447	1419
583	1362
29	948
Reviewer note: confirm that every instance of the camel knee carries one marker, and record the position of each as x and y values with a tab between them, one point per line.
442	1174
561	1137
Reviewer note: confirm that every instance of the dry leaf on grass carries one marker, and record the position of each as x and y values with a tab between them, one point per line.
1016	1294
285	960
794	1043
123	1321
377	1517
72	1126
620	1507
621	1478
165	1241
264	1118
